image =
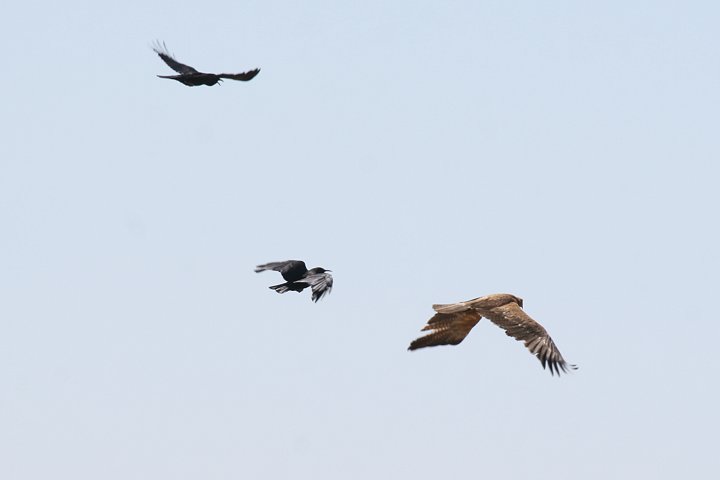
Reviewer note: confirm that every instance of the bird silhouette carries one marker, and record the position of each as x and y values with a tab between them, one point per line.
452	323
298	278
191	77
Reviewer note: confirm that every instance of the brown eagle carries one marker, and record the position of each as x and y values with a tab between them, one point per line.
191	77
453	322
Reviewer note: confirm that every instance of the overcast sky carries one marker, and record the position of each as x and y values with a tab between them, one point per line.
426	152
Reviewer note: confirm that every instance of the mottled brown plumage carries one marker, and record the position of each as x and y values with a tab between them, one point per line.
453	322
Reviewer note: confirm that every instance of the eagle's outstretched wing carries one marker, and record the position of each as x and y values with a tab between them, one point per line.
519	325
245	76
291	270
448	328
162	51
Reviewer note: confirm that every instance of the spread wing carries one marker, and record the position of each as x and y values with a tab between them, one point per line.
245	76
162	51
518	324
321	284
449	326
291	270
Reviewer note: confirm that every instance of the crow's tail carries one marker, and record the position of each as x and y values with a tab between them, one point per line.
288	287
282	288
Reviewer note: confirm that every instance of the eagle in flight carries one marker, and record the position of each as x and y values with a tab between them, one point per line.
452	322
191	77
299	278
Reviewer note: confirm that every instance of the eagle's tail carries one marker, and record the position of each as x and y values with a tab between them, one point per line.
450	307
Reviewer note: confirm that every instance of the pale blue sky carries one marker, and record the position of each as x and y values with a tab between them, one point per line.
426	152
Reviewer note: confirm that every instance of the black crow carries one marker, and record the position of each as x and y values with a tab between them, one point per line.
299	278
191	77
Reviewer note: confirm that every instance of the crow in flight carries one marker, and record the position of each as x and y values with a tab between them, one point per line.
453	322
299	278
191	77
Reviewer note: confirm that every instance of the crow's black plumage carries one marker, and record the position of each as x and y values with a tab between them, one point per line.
299	278
191	77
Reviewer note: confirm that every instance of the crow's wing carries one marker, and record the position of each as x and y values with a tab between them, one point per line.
291	270
162	51
518	324
321	284
245	76
448	328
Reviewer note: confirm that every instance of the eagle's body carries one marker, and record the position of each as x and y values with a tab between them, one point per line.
452	323
191	77
298	278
